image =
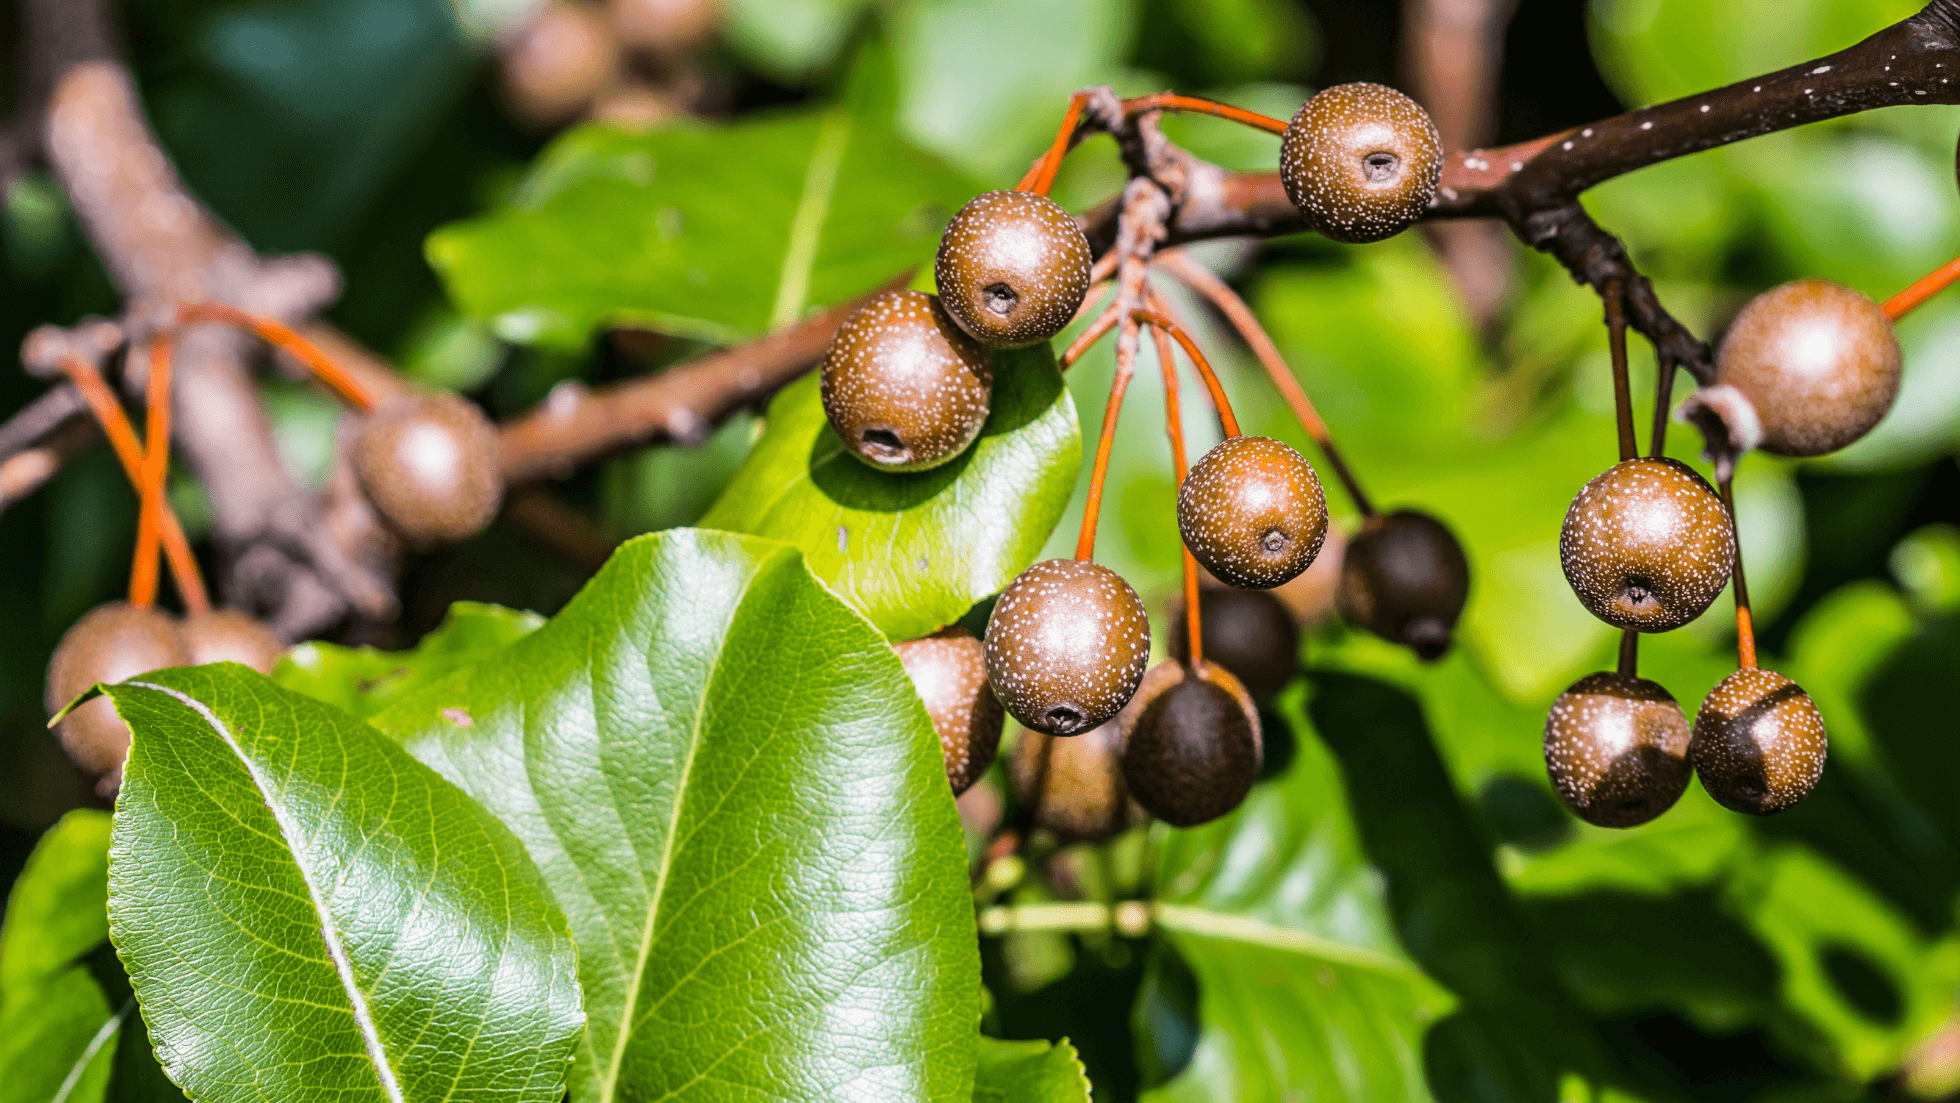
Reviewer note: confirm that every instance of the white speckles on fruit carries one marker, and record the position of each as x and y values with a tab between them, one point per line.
1012	268
429	463
1819	361
949	671
1617	749
1647	545
1066	645
1252	511
903	386
1759	742
1361	162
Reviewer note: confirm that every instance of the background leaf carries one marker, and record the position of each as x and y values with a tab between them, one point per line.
1029	1072
914	551
251	821
364	680
741	804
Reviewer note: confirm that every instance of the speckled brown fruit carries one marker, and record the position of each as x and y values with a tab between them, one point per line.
949	671
1066	645
1191	746
110	643
429	463
1073	787
1759	742
229	636
558	61
1252	511
1311	597
1361	162
1012	268
1819	362
904	387
1405	579
1647	545
1248	632
1617	749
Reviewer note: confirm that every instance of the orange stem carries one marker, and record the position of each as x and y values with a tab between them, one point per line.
1174	426
1745	623
286	340
155	468
1171	101
1927	286
1226	419
1089	337
1042	176
1085	544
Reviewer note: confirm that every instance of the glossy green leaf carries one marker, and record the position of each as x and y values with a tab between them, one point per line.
914	551
714	233
740	803
364	680
1029	1072
306	911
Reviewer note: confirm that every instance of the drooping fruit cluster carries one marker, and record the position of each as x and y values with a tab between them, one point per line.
1066	646
1405	578
904	387
949	671
1252	512
1818	361
1617	749
429	464
1647	545
1247	632
1073	786
1361	162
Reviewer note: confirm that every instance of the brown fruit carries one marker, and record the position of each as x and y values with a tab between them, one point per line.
1405	579
664	26
1311	597
1012	268
429	463
1074	786
1066	645
1617	749
1819	362
1191	745
229	636
558	61
1252	511
1759	742
949	671
904	387
1361	162
1248	632
1647	545
110	643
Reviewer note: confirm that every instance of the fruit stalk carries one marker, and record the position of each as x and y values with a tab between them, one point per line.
1085	544
1629	664
1197	105
288	342
154	469
1925	287
1227	421
1174	428
1664	372
1745	627
1616	340
1041	176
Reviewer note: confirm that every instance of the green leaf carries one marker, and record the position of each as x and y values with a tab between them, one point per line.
305	910
914	551
740	803
1029	1072
714	233
364	681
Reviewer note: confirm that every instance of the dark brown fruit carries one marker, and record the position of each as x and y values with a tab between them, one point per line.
1759	742
1191	745
1248	632
1073	787
1252	511
1361	162
558	61
1647	545
1617	749
429	463
111	643
949	670
1066	645
1819	362
1012	268
904	387
1405	579
229	636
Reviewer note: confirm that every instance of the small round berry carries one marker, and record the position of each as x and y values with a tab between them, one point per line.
1405	579
1759	742
557	61
1252	511
1361	162
1073	787
1066	645
1248	632
110	643
904	387
1647	545
1617	749
1312	597
949	671
1818	361
1013	268
229	636
1191	745
429	463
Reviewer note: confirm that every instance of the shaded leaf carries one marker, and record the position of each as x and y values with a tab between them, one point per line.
364	680
914	551
741	805
305	910
1029	1072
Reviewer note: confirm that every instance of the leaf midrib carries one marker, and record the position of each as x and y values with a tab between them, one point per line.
1227	927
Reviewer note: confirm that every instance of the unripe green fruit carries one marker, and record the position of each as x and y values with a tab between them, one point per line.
1617	749
1818	361
1361	162
1759	742
429	464
1248	632
110	643
1066	645
949	671
1252	511
1191	745
1405	579
1012	268
1647	545
1072	786
904	387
